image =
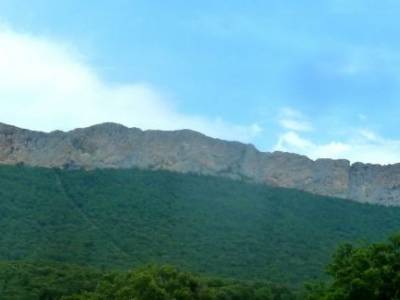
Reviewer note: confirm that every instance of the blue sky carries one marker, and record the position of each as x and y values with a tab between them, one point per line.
320	78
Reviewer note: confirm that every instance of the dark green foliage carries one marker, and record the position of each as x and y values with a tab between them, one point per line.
24	281
116	219
358	273
363	273
167	283
21	281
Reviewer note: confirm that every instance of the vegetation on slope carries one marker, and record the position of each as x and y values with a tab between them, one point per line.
39	281
368	273
119	219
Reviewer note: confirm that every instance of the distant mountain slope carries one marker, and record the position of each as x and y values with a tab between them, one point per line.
221	227
115	146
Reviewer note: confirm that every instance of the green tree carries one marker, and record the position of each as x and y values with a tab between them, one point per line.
168	283
363	273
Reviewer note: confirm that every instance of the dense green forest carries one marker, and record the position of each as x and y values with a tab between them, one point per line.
362	273
115	220
356	273
24	281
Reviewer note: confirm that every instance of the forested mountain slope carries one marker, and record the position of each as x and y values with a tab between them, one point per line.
26	281
118	219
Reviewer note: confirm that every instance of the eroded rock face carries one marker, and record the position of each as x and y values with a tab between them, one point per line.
111	145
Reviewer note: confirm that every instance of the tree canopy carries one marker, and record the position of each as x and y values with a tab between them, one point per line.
363	273
121	219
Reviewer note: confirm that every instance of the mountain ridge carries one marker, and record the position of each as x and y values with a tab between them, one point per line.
112	145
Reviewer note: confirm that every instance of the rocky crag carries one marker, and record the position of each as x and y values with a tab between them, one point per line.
111	145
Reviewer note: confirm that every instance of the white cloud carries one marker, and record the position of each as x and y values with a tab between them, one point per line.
362	117
291	113
292	119
45	85
365	146
295	125
369	135
361	145
290	140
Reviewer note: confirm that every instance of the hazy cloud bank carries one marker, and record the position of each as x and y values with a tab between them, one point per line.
46	85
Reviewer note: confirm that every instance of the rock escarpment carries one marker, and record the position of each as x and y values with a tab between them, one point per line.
111	145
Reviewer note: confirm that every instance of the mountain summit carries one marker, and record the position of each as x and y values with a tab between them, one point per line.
111	145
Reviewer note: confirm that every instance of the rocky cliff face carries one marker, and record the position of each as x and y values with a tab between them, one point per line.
115	146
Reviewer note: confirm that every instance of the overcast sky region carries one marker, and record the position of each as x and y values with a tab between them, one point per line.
319	78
